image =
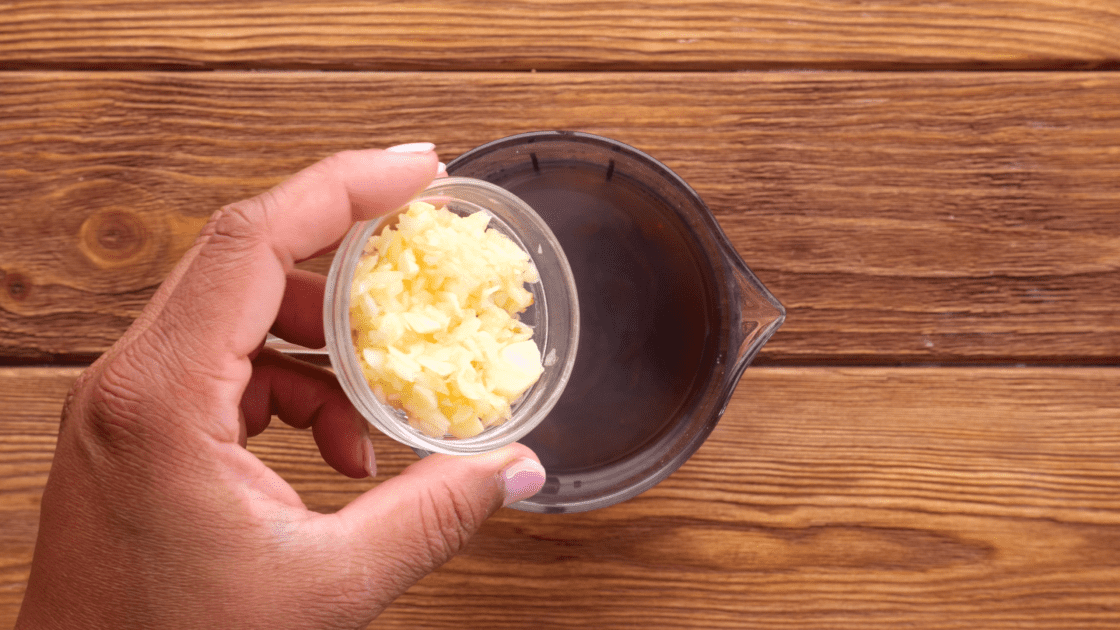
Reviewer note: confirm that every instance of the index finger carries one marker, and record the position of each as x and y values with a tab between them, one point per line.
225	302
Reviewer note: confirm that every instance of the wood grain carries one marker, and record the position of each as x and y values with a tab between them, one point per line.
902	217
827	498
549	35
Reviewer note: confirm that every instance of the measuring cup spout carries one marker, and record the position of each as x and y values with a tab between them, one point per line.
760	314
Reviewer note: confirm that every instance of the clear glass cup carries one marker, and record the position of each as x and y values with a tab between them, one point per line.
554	316
670	314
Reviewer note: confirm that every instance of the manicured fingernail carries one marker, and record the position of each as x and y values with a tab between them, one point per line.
414	147
521	480
442	170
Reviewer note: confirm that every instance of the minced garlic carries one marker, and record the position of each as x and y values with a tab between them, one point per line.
432	310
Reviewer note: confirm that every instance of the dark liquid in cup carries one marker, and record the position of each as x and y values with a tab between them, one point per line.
648	319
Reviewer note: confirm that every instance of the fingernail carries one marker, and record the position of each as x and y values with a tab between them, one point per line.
414	147
442	170
369	460
521	480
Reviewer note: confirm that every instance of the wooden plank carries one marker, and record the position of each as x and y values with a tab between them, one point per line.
549	35
901	217
864	498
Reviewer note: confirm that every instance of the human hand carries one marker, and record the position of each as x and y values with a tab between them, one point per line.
154	513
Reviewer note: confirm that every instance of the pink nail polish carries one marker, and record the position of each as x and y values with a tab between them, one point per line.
521	480
414	147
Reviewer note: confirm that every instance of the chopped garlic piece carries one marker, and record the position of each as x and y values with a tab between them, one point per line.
516	369
433	308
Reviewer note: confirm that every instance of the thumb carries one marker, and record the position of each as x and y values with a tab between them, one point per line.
411	524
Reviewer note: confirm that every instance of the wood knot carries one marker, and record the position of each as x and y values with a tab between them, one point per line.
111	237
17	285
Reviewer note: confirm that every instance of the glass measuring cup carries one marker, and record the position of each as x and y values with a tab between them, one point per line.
670	314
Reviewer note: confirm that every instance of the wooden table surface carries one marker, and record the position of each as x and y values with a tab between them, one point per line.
932	440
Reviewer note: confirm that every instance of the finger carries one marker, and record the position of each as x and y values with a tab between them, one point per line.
416	521
303	395
300	319
198	344
343	441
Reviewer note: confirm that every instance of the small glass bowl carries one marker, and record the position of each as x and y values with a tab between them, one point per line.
554	316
